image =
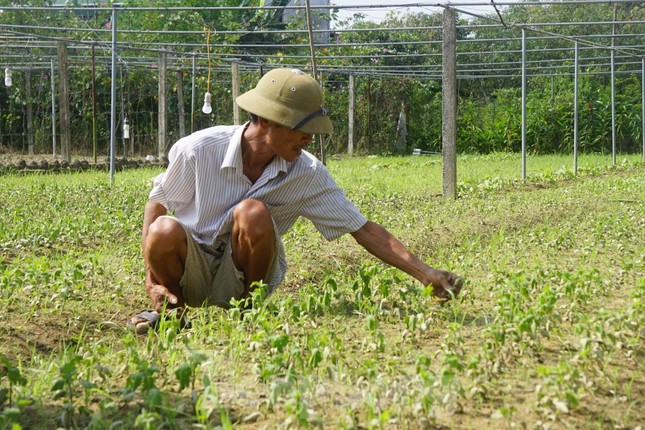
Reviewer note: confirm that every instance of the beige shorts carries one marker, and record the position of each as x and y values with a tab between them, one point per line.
210	277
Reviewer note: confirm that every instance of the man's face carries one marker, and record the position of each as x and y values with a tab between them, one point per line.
287	143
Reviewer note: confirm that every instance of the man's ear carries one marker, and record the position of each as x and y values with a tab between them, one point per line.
264	123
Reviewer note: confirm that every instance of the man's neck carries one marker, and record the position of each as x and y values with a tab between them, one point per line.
256	156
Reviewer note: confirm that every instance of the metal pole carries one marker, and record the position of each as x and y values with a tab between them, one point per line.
162	103
314	66
350	112
312	51
181	105
523	103
122	112
235	89
94	138
613	108
643	104
53	110
113	100
613	86
575	111
192	98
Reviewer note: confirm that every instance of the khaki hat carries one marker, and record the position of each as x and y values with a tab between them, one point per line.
290	98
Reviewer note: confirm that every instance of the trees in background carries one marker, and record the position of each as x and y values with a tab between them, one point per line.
489	63
395	71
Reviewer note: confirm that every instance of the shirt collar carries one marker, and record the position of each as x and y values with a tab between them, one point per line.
233	157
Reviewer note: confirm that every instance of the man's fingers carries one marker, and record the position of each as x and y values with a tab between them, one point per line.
162	291
449	287
456	285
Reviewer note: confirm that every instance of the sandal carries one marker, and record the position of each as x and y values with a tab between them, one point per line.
148	320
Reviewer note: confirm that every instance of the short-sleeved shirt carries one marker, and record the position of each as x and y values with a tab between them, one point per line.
205	181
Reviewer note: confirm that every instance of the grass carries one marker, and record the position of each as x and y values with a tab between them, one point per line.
549	332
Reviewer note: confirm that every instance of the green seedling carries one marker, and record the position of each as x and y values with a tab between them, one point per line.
13	376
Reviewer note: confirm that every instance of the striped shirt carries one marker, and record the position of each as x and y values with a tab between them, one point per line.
205	181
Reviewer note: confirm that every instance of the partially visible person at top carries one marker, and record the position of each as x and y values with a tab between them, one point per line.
234	191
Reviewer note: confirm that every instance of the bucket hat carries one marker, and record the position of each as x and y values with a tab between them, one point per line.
288	97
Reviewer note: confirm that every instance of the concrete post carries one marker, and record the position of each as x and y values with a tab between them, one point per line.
449	105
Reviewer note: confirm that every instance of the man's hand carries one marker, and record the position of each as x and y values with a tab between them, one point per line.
445	285
161	297
379	242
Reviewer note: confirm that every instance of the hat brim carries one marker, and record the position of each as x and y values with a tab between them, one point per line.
258	105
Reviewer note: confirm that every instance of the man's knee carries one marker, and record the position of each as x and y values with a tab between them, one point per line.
253	216
166	234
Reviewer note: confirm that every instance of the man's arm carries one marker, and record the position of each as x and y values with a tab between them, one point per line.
383	245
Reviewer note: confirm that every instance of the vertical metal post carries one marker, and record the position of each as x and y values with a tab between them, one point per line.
321	137
235	89
192	97
125	151
449	104
369	113
350	126
53	109
523	103
613	108
314	66
113	100
575	111
643	104
310	31
613	86
162	103
180	104
94	138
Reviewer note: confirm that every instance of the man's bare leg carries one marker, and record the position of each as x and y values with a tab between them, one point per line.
165	256
252	241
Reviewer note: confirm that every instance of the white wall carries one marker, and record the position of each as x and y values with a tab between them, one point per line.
319	17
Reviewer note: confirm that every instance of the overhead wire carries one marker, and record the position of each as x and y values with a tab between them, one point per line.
183	49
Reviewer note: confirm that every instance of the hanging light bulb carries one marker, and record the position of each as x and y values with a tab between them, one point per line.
126	129
7	77
207	108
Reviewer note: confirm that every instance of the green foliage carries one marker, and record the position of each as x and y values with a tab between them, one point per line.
489	116
547	333
15	378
